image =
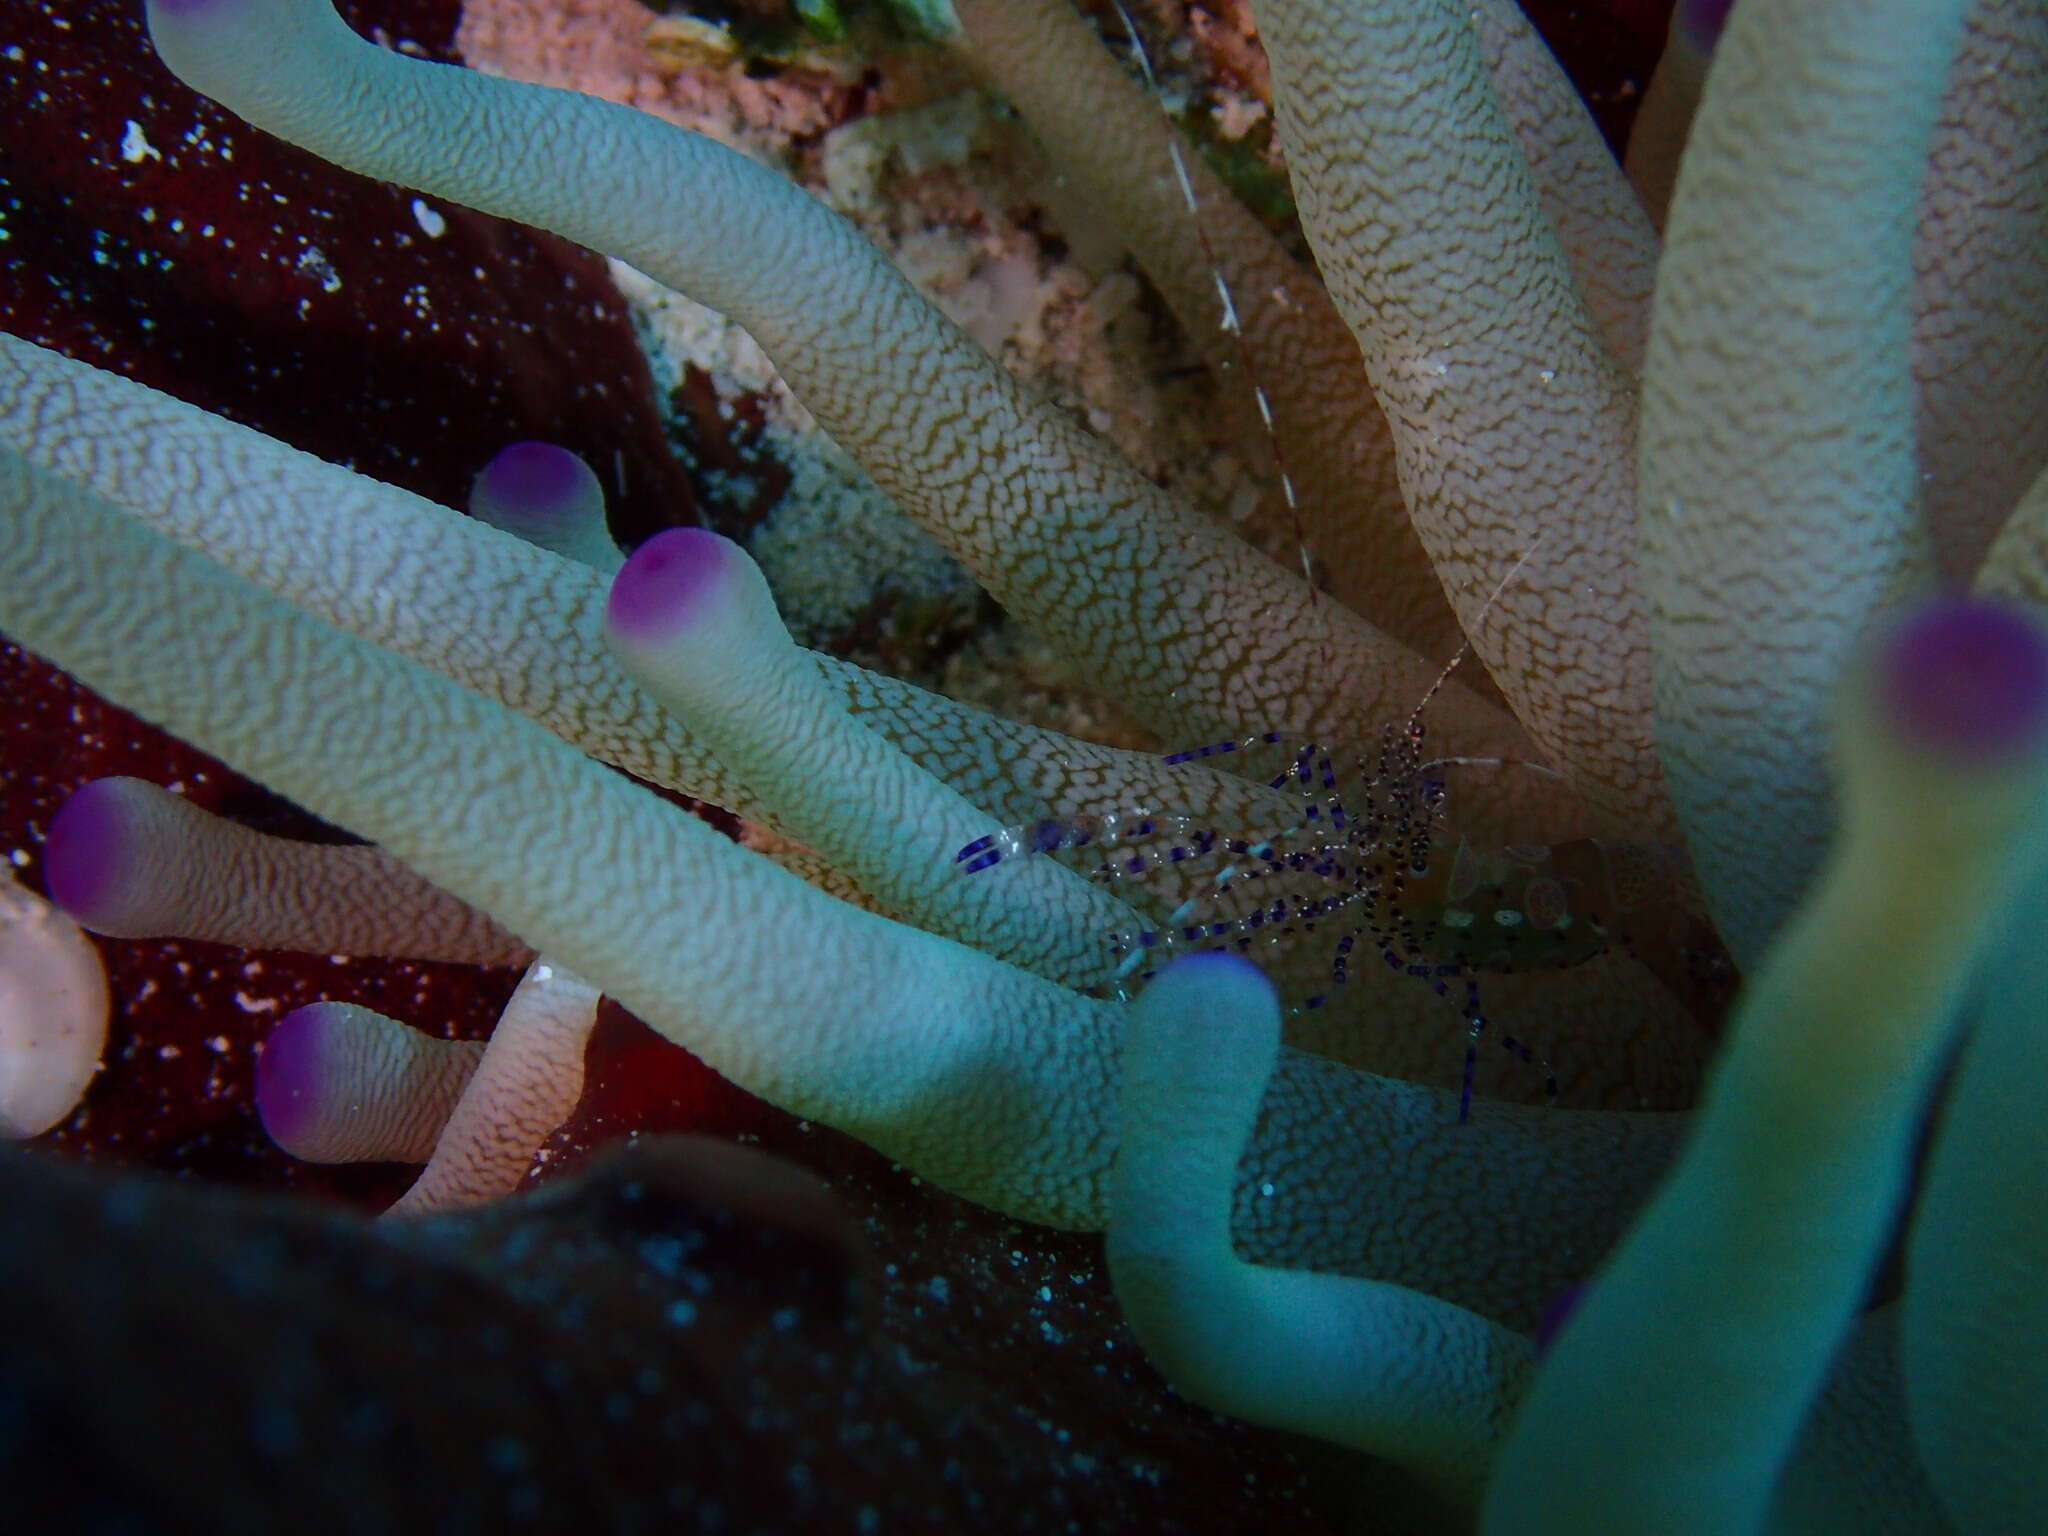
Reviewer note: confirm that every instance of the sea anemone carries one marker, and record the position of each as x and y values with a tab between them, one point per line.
1669	498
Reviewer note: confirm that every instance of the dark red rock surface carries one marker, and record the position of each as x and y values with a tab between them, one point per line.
151	232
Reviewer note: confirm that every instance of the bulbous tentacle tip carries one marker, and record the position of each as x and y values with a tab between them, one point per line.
1967	681
181	9
1208	980
1704	20
338	1083
290	1076
90	856
53	1012
1556	1315
536	478
673	586
548	497
1213	1005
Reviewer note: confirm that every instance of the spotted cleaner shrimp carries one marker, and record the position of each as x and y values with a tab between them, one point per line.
1372	865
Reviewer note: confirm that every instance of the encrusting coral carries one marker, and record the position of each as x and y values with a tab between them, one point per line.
1683	685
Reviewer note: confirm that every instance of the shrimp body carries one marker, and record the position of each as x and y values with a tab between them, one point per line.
1371	867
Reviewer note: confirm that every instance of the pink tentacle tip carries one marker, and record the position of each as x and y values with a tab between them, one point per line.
1967	680
1704	20
291	1074
85	863
193	8
664	583
1556	1313
536	478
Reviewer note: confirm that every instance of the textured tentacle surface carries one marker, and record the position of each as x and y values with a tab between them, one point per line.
341	1084
1598	217
1778	474
1980	265
499	616
1367	1364
1088	115
1514	424
132	860
983	1078
1764	1237
693	619
1065	534
524	1086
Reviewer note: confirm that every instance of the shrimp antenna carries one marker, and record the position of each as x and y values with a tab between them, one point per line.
1465	649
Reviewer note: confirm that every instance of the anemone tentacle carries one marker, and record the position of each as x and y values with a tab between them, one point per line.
525	628
524	1086
1063	532
548	497
1778	420
1656	140
1975	1317
981	1077
1765	1234
131	860
1514	425
1087	115
1601	224
692	617
2016	566
1980	273
53	1012
1810	363
339	1083
1385	1369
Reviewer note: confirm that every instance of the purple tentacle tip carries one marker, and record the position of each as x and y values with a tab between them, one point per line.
1704	20
191	7
1967	680
1212	975
536	477
1556	1313
83	857
290	1073
1221	964
664	580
